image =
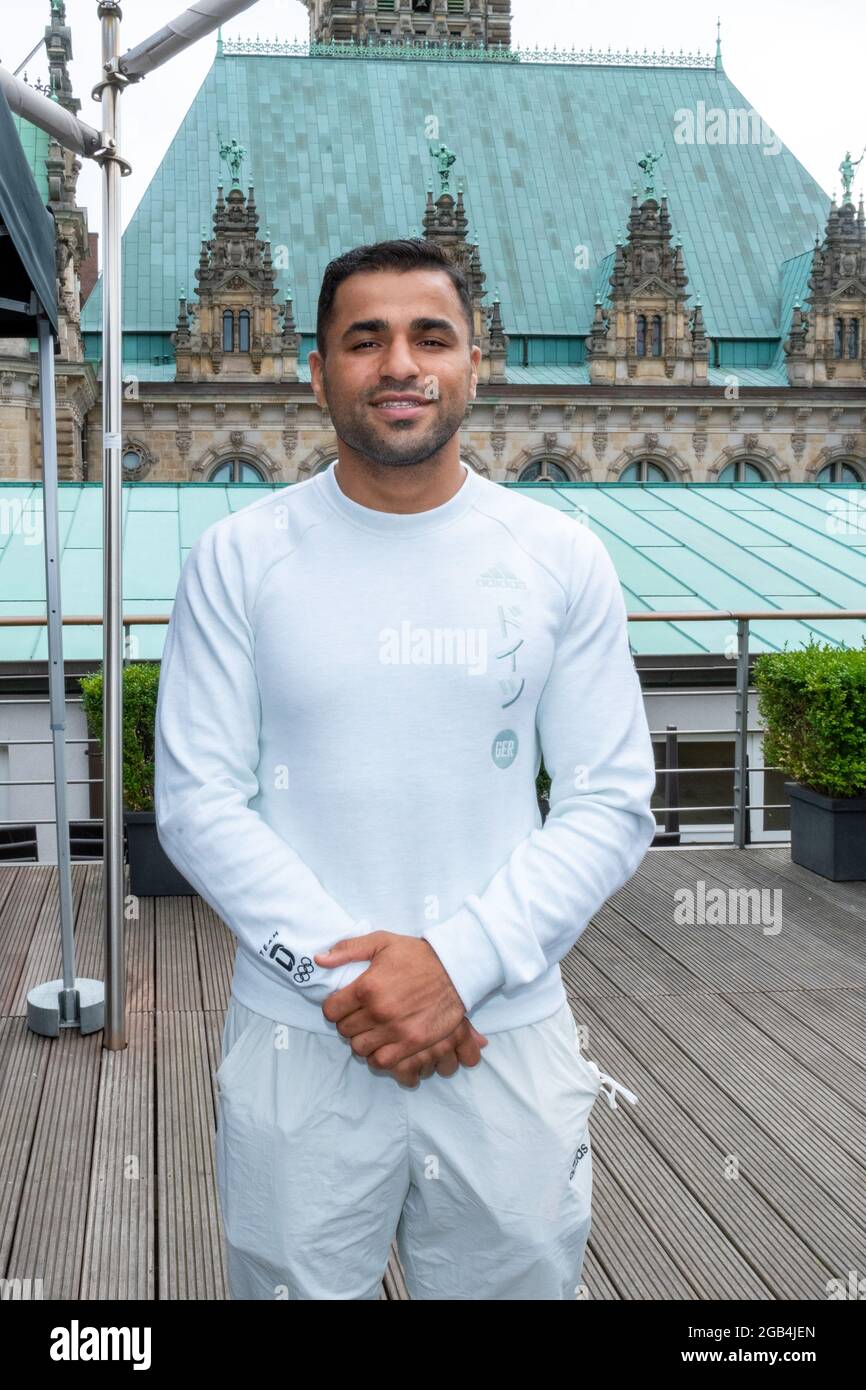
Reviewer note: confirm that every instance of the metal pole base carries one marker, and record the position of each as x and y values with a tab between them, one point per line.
51	1007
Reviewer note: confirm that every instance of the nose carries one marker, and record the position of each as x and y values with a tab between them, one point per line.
399	362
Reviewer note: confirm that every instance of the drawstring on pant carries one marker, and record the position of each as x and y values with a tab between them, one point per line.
610	1096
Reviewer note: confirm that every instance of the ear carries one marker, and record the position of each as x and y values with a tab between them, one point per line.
315	362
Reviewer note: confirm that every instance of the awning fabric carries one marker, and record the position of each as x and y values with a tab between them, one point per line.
27	236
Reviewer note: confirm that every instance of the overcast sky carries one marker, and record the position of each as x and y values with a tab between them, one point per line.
799	64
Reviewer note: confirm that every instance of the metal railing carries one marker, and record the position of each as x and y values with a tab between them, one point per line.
742	691
669	774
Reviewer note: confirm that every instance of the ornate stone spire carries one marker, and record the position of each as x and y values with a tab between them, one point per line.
828	343
446	223
648	333
236	323
58	46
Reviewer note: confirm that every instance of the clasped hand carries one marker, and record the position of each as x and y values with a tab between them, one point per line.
403	1014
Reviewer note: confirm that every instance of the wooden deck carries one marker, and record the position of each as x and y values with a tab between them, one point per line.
741	1173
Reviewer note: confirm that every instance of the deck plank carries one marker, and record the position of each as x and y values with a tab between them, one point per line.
739	1174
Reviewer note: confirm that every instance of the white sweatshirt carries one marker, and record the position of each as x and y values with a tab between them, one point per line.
351	713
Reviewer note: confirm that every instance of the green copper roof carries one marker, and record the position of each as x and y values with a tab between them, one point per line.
35	144
749	376
795	275
675	547
337	149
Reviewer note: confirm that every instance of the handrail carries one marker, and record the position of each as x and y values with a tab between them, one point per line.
702	615
708	615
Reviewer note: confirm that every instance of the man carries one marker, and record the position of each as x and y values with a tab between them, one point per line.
361	674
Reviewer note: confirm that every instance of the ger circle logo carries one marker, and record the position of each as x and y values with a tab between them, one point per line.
504	749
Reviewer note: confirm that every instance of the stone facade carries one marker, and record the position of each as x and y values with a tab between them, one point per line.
588	436
486	22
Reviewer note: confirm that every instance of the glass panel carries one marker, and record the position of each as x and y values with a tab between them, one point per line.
854	338
699	788
249	474
223	474
553	473
774	791
752	474
131	460
640	343
244	331
657	336
838	472
643	471
228	326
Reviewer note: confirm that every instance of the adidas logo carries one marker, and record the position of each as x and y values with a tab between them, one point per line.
499	578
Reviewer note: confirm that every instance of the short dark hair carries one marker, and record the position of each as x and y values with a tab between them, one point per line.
410	253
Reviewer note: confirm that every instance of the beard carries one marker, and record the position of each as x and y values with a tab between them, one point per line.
393	443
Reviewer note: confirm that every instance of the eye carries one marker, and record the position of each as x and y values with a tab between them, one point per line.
370	342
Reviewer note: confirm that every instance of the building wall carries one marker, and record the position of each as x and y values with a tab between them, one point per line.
593	439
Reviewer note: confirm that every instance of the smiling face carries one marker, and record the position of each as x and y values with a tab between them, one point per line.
397	334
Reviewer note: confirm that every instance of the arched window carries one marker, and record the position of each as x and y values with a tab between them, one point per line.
742	471
228	331
544	471
657	335
236	471
640	336
839	471
243	331
322	466
853	337
837	337
643	471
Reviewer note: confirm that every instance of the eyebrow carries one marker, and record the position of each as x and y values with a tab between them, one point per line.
426	325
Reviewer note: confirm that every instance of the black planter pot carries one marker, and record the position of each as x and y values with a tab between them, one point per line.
828	833
151	872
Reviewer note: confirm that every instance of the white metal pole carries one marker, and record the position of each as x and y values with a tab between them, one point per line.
68	1002
112	628
56	677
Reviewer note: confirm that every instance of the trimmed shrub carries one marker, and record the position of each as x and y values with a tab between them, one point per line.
813	703
140	685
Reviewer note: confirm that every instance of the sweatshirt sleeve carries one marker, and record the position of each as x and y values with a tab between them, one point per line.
206	754
598	752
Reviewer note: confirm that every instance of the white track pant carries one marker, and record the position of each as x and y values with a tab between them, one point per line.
485	1176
